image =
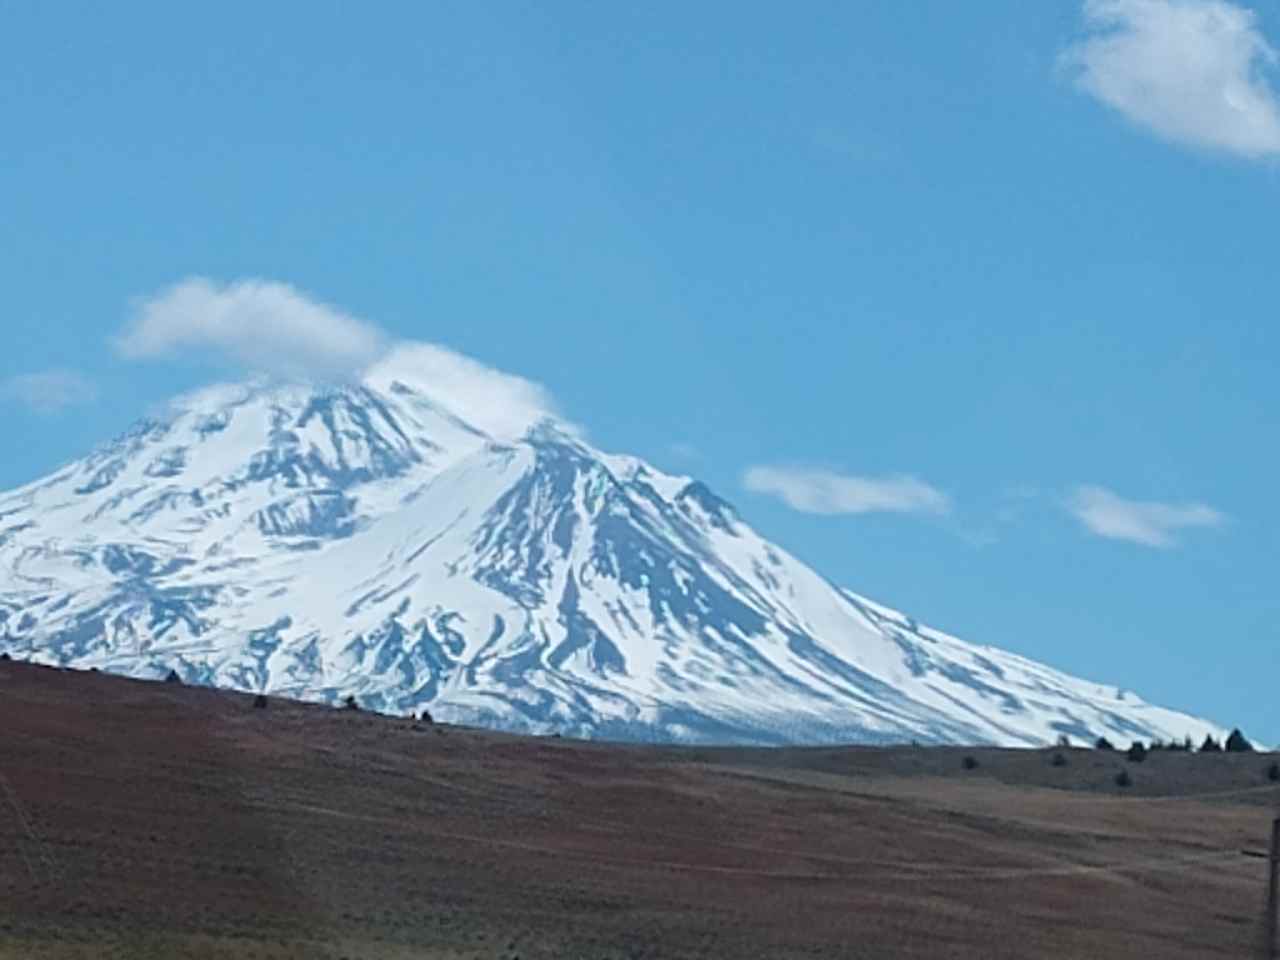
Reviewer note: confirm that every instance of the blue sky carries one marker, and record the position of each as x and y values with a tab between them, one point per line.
971	306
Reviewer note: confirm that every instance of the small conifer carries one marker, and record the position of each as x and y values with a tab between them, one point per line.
1238	743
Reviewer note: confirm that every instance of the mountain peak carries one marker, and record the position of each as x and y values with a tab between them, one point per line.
550	431
365	539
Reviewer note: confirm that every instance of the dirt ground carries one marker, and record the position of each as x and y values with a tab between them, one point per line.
142	820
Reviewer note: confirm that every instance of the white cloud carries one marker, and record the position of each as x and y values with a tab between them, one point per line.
503	405
1190	71
267	327
1146	522
50	391
275	329
812	490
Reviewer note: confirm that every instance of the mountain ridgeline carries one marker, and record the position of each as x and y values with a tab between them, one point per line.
366	541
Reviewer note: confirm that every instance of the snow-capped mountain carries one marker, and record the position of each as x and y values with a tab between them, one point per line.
365	540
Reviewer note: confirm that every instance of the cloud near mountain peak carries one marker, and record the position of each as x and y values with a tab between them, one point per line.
273	329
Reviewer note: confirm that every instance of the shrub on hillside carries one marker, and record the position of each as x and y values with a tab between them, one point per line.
173	677
1237	743
1210	745
426	717
350	703
1138	752
1103	743
1273	772
969	763
1123	779
260	702
1064	741
1059	760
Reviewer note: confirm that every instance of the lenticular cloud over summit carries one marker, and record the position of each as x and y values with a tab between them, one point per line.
275	331
503	405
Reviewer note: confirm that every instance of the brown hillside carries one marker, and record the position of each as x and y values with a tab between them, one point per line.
158	821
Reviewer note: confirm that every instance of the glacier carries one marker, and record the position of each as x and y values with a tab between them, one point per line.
364	540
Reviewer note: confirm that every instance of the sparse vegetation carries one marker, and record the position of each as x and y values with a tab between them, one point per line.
1210	745
969	763
1238	743
350	703
1064	742
1102	743
358	837
1137	752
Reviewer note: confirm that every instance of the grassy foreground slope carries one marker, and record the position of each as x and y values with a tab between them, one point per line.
158	821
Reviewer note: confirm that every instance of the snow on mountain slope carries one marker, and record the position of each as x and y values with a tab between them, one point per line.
365	540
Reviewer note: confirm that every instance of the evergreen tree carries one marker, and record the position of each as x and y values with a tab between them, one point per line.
1103	744
1137	752
1237	743
1210	745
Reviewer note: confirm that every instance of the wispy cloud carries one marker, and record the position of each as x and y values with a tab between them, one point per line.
1148	523
275	329
50	391
1190	71
503	405
812	490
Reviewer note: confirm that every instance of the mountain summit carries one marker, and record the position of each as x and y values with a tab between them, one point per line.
365	540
